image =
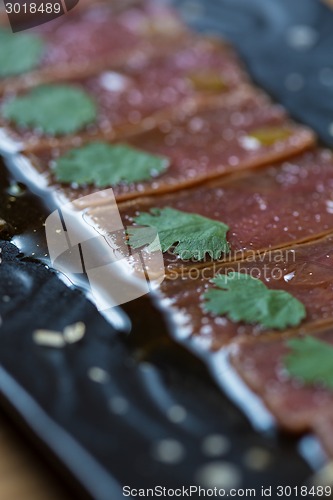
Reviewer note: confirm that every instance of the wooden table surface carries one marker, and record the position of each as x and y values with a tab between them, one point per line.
24	475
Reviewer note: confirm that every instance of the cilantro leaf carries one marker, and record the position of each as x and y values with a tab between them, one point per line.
19	52
311	361
53	109
210	81
191	235
104	164
243	298
146	237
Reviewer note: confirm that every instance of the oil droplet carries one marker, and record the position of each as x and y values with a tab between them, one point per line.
169	451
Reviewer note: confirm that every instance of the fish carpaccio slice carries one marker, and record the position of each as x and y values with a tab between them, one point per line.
305	271
296	406
90	39
251	206
145	87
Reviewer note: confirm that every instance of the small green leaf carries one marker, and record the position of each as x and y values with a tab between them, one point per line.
19	53
310	361
103	164
270	135
243	298
52	109
191	235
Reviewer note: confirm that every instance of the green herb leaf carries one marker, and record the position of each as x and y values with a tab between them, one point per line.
191	235
19	53
53	109
104	165
310	361
243	298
